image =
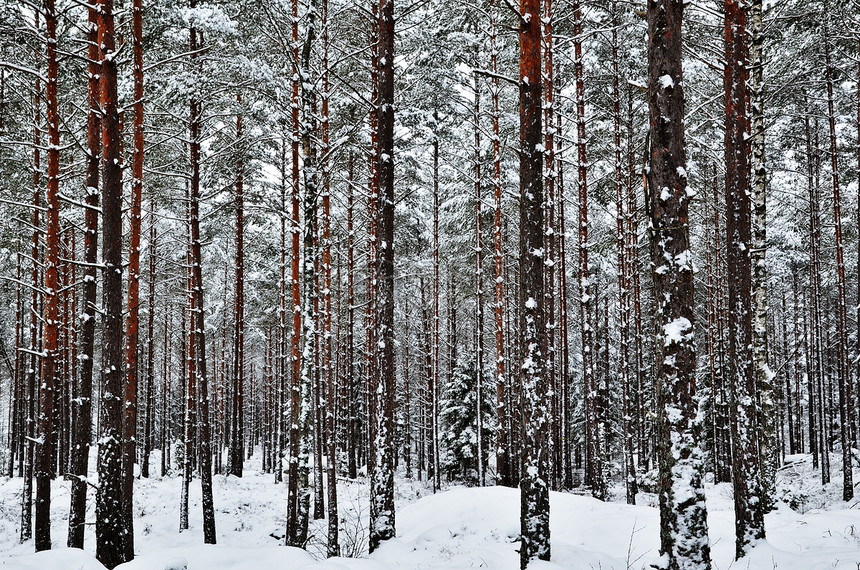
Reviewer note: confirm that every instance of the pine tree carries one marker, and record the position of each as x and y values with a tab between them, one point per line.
746	474
683	515
534	482
458	415
110	521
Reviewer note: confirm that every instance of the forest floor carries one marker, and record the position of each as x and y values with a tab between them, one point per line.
460	527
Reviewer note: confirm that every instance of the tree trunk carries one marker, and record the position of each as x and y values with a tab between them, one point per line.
110	522
746	474
683	515
479	291
237	437
593	458
329	372
353	424
843	370
50	348
534	484
623	273
82	429
129	443
198	321
149	420
433	384
503	457
382	523
763	374
293	522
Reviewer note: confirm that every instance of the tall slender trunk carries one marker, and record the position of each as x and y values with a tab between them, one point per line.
683	515
50	348
433	387
330	372
746	472
763	374
548	110
129	443
857	386
479	292
534	484
293	522
640	402
110	522
622	269
186	357
237	435
149	420
83	404
843	370
198	321
564	372
593	437
383	399
503	456
353	424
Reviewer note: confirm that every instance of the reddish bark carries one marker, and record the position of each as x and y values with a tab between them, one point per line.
50	348
110	522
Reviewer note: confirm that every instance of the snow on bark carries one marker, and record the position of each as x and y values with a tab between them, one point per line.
746	471
534	489
683	516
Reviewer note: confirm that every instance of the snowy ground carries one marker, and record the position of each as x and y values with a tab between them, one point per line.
457	528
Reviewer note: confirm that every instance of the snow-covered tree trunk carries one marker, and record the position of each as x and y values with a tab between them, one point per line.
296	365
50	349
479	284
110	524
593	456
353	424
534	455
622	268
129	441
201	379
634	288
237	435
564	368
433	387
382	523
149	420
503	448
763	374
843	369
329	370
186	357
548	112
82	406
746	473
683	516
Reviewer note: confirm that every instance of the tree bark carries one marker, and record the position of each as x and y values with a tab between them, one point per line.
534	484
198	321
51	349
746	472
110	522
683	515
237	437
383	399
129	443
843	369
503	456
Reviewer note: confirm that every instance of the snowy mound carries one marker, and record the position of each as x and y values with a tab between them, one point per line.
455	529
